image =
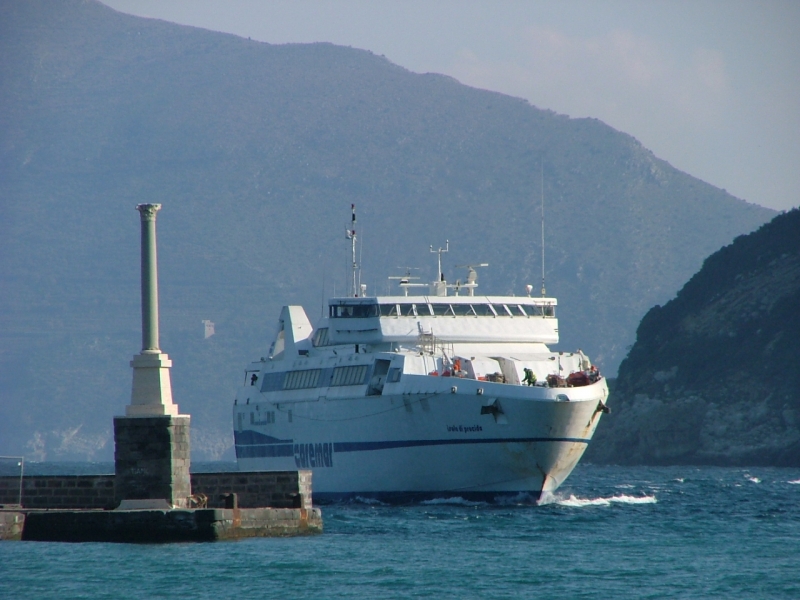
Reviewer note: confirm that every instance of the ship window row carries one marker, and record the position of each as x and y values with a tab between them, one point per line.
311	378
351	375
268	417
347	311
467	310
300	380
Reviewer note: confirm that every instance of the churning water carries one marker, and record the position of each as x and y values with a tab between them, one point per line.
610	532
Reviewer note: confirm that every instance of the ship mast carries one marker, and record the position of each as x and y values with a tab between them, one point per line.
542	192
440	251
351	235
439	286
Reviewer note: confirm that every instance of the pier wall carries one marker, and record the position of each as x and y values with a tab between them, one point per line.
59	491
11	525
174	525
254	489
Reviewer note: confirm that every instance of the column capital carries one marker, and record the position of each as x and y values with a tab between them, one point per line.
148	211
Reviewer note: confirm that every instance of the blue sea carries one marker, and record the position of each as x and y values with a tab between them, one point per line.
609	532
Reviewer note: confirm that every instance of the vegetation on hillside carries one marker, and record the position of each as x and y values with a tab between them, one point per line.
713	377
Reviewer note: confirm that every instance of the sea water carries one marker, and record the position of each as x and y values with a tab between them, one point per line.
609	532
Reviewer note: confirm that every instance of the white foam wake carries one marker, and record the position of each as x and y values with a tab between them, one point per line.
575	502
369	501
795	482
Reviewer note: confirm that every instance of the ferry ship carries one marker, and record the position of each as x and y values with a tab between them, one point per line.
409	397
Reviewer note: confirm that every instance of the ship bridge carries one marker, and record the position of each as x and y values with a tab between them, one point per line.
456	319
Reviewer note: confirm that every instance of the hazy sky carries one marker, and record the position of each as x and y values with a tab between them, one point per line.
711	86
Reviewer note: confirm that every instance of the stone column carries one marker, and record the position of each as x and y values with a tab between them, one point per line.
152	390
151	442
149	277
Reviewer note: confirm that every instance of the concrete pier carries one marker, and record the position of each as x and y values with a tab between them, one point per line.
78	508
11	524
160	526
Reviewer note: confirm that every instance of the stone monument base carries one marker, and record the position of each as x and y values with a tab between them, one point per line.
151	395
151	461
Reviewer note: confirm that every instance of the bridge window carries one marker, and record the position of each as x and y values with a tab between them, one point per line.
409	310
441	310
320	337
539	310
390	310
463	310
484	310
357	311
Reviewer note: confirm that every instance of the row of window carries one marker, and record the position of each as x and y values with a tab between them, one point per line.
312	378
440	309
466	310
362	311
299	380
269	417
354	375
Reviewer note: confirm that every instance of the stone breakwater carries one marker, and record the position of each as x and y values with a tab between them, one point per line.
177	525
274	489
78	508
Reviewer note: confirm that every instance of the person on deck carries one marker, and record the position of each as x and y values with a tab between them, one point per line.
530	377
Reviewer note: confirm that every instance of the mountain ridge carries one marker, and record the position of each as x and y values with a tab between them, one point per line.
256	152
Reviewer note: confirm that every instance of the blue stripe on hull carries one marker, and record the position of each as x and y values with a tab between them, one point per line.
265	451
286	449
367	446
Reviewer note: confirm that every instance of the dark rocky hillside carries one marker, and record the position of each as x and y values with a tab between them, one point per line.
714	376
256	152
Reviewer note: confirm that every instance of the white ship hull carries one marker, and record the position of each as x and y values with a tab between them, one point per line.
414	446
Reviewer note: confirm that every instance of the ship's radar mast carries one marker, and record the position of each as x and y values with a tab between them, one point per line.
350	233
472	278
439	287
542	184
440	251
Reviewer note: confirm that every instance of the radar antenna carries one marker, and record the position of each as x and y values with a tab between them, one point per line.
405	280
472	277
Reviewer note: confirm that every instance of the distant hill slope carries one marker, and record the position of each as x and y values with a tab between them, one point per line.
714	376
256	152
